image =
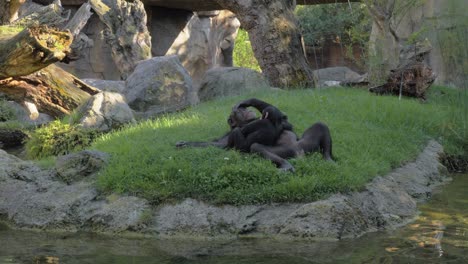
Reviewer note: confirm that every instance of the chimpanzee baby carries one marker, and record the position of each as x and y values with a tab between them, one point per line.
265	131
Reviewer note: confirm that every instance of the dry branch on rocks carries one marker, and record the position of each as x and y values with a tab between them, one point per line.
53	90
33	49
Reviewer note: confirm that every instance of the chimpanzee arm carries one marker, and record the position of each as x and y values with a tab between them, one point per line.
254	102
255	126
260	106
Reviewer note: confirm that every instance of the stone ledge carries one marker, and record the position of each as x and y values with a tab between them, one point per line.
40	201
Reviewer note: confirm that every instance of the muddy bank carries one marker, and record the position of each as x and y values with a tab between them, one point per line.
64	198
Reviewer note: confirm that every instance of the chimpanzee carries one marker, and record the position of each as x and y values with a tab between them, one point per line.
265	131
316	138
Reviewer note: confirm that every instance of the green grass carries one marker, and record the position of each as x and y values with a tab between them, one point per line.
371	135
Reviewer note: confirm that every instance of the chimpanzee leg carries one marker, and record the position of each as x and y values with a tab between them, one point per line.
273	154
317	138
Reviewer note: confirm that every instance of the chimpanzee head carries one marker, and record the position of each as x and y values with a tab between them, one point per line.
240	116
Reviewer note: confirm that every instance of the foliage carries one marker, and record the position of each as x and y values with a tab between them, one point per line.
371	135
58	138
243	54
6	29
6	112
347	23
449	34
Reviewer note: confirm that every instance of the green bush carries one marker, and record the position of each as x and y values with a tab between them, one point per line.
6	113
243	54
58	138
332	21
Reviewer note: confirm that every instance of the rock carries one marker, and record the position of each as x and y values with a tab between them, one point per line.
10	137
31	197
106	85
76	166
336	75
95	60
22	114
331	83
330	218
106	111
12	167
202	40
228	81
159	85
385	203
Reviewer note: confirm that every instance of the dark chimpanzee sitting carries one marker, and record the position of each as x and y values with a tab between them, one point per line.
316	138
265	131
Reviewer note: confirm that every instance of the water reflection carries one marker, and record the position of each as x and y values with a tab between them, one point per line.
440	235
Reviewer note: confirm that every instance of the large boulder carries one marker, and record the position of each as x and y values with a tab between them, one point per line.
159	85
106	85
227	81
106	111
28	113
77	166
32	197
337	76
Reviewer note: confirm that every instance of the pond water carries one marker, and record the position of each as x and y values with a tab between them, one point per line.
439	235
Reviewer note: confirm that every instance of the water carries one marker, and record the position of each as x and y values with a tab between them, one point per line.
439	235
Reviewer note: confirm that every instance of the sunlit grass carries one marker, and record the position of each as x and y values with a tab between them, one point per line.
371	135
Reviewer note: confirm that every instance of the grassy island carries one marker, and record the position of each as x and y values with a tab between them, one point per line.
371	136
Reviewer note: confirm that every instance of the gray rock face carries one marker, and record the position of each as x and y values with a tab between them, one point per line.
76	166
159	85
95	60
387	202
336	75
201	40
106	85
23	114
227	81
106	111
31	197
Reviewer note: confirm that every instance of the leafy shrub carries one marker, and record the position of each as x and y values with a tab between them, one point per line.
6	113
321	22
58	138
243	54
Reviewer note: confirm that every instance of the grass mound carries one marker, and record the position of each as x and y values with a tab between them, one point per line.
371	135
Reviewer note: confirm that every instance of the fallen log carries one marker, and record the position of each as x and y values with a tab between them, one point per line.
51	15
53	90
33	49
411	80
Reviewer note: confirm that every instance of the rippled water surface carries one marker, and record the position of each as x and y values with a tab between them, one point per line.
439	235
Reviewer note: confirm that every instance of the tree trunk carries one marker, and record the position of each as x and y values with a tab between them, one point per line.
33	49
384	44
276	40
127	32
53	90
